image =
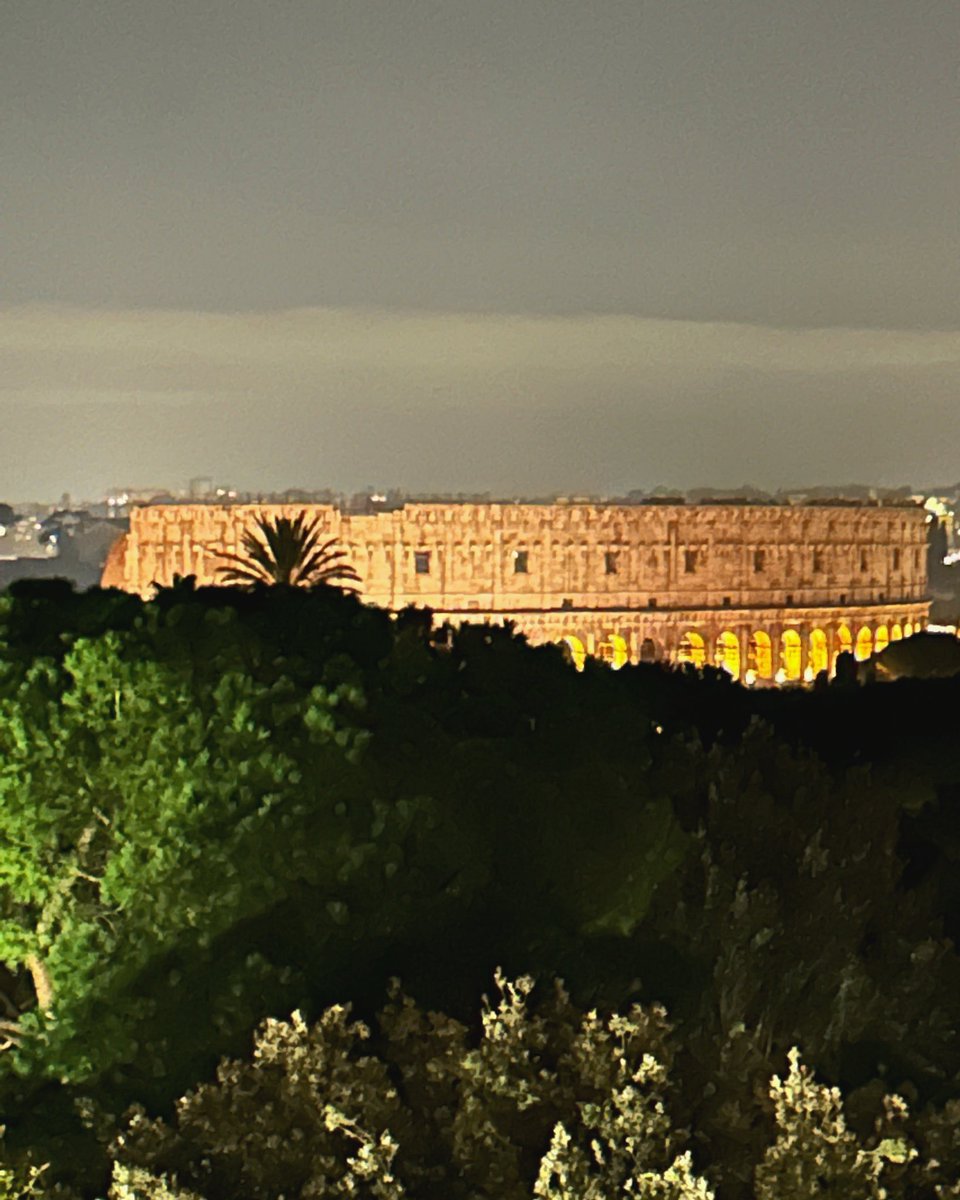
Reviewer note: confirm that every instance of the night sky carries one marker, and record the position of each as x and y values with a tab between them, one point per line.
501	245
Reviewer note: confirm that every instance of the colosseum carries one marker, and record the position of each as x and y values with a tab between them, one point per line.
768	592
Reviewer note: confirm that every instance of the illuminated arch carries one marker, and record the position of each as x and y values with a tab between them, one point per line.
761	654
908	629
613	650
844	643
791	654
577	652
818	655
881	639
728	653
864	644
692	649
896	633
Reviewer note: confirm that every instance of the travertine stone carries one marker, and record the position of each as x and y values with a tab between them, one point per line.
651	574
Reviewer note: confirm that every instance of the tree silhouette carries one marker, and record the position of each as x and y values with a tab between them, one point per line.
288	550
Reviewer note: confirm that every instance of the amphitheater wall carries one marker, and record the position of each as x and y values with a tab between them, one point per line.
640	580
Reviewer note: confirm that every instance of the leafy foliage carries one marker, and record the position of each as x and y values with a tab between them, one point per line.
241	794
315	1114
815	1154
21	1183
224	804
134	818
548	1102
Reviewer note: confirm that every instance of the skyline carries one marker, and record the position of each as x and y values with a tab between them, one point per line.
522	250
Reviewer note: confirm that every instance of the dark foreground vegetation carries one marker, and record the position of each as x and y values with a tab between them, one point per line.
225	805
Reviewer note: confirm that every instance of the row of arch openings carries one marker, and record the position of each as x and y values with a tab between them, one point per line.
790	666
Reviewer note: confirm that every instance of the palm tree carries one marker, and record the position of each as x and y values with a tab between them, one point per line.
288	551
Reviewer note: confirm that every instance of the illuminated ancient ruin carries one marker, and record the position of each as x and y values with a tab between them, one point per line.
766	591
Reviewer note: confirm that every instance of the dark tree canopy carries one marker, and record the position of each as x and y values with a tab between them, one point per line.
227	803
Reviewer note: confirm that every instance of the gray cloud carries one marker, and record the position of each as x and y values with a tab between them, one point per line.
276	243
752	160
511	403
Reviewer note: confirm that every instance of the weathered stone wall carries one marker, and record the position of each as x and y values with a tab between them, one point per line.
617	580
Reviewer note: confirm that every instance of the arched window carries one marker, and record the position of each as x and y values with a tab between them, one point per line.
728	653
791	652
896	633
908	629
761	654
844	643
692	649
578	654
819	656
648	650
864	644
613	649
882	639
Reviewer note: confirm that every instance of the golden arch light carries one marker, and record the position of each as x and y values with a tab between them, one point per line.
577	651
761	654
692	649
864	644
819	655
613	650
792	654
844	643
728	653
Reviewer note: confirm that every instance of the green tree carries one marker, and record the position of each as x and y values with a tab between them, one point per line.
425	1111
815	1154
288	550
141	813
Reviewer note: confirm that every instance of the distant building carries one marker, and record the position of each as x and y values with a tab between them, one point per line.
23	538
201	487
66	544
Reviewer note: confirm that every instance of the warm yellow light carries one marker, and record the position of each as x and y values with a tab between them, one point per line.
620	654
728	653
791	653
761	651
692	649
577	651
819	657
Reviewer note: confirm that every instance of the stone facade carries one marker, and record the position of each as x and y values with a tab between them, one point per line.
776	590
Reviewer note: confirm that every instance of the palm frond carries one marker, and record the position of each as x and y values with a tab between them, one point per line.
287	550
